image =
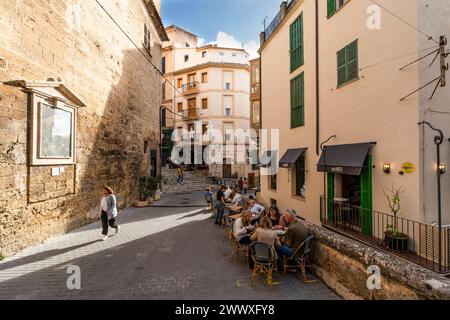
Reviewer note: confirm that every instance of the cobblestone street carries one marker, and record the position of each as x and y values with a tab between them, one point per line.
160	253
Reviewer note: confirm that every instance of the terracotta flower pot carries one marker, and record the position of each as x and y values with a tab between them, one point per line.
141	204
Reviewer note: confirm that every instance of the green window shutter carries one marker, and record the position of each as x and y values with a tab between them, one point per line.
341	67
302	99
366	197
331	7
352	61
297	101
296	43
330	197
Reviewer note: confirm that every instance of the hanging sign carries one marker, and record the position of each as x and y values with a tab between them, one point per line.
408	168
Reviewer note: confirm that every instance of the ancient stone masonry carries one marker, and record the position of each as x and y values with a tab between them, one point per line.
342	264
74	42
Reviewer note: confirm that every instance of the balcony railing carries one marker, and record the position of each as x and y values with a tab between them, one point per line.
277	20
191	114
191	88
414	241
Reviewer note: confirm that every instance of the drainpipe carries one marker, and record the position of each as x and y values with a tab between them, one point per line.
317	80
438	140
323	148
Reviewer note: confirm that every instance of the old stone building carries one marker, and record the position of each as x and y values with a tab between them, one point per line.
79	109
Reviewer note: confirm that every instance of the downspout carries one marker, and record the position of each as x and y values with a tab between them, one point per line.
317	81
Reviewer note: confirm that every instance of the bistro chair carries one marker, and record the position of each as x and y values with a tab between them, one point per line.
237	248
300	259
264	258
228	233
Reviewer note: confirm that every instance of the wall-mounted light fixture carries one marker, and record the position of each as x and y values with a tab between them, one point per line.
442	168
387	168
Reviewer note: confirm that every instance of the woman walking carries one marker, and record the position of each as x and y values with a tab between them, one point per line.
108	207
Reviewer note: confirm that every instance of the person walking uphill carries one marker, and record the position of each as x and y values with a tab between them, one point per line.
108	212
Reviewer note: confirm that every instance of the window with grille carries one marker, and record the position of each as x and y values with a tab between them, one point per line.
147	37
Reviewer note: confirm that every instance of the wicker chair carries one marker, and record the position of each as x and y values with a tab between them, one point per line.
236	247
264	258
300	258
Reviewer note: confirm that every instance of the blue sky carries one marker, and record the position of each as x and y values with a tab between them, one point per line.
228	22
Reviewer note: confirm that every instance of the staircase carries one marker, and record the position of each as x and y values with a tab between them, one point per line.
193	181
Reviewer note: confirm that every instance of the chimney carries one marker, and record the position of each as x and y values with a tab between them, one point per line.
283	9
262	38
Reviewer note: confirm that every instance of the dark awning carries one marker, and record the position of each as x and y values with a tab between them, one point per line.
291	156
345	159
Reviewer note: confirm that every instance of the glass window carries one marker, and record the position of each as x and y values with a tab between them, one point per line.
56	127
300	177
273	182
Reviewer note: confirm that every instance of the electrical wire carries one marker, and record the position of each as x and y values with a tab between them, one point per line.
404	21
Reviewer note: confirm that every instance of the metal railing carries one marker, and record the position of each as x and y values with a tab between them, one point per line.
191	86
414	241
191	114
277	20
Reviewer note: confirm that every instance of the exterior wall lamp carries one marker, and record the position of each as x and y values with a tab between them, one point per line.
387	168
442	168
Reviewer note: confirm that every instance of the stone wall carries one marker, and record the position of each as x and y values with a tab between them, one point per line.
75	41
342	264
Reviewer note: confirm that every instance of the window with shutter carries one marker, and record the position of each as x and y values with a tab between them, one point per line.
297	101
331	9
296	43
347	64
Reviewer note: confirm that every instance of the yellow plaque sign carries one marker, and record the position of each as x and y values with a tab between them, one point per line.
408	168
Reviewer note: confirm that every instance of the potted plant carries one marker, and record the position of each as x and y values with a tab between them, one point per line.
157	191
144	193
394	239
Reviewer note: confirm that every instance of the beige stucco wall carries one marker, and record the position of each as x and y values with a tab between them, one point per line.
368	110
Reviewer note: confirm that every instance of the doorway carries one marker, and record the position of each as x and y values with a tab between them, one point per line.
226	169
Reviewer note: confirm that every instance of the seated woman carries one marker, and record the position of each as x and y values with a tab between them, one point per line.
242	228
265	234
276	218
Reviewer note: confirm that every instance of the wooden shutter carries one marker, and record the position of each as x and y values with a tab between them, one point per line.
331	7
296	43
297	101
352	61
341	67
366	197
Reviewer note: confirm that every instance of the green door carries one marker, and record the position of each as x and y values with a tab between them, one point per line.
366	197
330	197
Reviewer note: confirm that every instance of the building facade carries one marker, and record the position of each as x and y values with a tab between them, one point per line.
255	117
78	110
209	88
333	84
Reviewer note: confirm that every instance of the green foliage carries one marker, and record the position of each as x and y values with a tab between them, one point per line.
1	256
148	186
394	202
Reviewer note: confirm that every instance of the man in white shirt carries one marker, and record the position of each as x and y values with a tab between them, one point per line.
228	193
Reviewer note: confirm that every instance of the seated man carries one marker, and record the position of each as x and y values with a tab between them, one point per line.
296	233
255	208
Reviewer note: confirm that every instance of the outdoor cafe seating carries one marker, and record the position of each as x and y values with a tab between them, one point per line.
261	257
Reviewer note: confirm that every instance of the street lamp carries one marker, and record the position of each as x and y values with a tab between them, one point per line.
438	140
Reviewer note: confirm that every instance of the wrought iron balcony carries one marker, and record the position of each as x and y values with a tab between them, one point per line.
191	88
191	114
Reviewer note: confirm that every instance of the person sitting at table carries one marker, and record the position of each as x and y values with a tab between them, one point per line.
227	193
265	234
276	218
238	200
242	228
255	208
296	233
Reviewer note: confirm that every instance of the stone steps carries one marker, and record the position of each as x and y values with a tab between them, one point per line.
193	181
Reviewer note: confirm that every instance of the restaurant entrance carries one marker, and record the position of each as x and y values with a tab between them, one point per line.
349	187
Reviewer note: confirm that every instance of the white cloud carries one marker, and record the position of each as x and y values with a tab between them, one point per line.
228	41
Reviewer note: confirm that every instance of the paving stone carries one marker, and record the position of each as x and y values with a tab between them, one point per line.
161	253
